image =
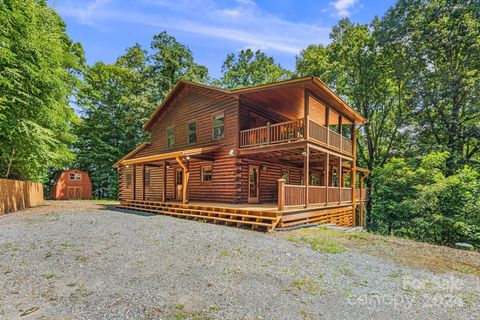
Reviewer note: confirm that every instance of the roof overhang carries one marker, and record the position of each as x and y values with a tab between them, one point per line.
166	156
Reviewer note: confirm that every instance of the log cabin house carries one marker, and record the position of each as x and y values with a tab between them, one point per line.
273	155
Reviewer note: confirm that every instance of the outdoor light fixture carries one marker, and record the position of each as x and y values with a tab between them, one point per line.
231	153
304	153
127	166
188	158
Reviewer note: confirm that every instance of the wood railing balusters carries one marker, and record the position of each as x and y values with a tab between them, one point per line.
292	131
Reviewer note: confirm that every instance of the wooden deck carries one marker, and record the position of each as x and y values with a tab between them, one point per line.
264	217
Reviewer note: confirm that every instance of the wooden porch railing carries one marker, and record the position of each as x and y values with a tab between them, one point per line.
292	131
294	195
272	133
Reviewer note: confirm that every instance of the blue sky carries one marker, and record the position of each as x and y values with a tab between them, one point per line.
211	29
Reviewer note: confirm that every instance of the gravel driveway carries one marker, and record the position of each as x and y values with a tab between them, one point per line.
80	260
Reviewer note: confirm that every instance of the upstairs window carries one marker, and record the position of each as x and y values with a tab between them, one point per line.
170	138
206	173
75	176
192	132
218	126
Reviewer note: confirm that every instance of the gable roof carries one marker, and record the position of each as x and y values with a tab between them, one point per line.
313	80
172	94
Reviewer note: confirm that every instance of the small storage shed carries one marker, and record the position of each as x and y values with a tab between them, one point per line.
71	184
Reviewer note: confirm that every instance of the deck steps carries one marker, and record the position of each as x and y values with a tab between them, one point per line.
254	219
228	216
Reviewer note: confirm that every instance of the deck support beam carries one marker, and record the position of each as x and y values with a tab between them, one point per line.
306	171
361	220
326	177
339	180
354	175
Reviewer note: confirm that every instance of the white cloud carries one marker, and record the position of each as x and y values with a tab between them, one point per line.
243	23
229	12
343	7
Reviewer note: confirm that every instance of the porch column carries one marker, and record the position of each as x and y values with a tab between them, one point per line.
326	173
164	189
306	113
361	202
327	122
340	130
134	182
185	177
339	180
143	182
281	194
354	176
306	170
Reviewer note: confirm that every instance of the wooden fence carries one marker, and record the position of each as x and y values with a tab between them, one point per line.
17	195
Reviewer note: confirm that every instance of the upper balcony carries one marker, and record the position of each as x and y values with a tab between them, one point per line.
294	130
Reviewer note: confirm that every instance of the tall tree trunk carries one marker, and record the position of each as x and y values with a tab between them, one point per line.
9	167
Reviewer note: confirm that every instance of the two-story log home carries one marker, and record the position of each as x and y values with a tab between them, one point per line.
267	156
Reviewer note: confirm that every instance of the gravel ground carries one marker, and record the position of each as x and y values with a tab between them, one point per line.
80	260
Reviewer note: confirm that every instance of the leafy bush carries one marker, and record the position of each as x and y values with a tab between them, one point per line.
422	203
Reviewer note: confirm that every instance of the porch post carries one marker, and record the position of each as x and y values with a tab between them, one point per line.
143	182
281	194
354	176
186	178
134	182
326	168
339	180
340	130
164	190
268	132
306	113
306	170
361	202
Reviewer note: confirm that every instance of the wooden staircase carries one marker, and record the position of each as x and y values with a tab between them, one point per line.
263	220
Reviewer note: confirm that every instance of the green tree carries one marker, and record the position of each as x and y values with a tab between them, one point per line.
421	202
117	99
439	42
170	62
250	68
361	72
38	68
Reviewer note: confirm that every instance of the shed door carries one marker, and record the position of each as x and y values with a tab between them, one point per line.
74	193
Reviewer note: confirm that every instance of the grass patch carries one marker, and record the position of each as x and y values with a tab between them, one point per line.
403	252
81	258
44	218
49	276
321	245
9	246
307	284
65	245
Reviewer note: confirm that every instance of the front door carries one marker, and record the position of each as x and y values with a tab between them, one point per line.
178	184
74	193
253	184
